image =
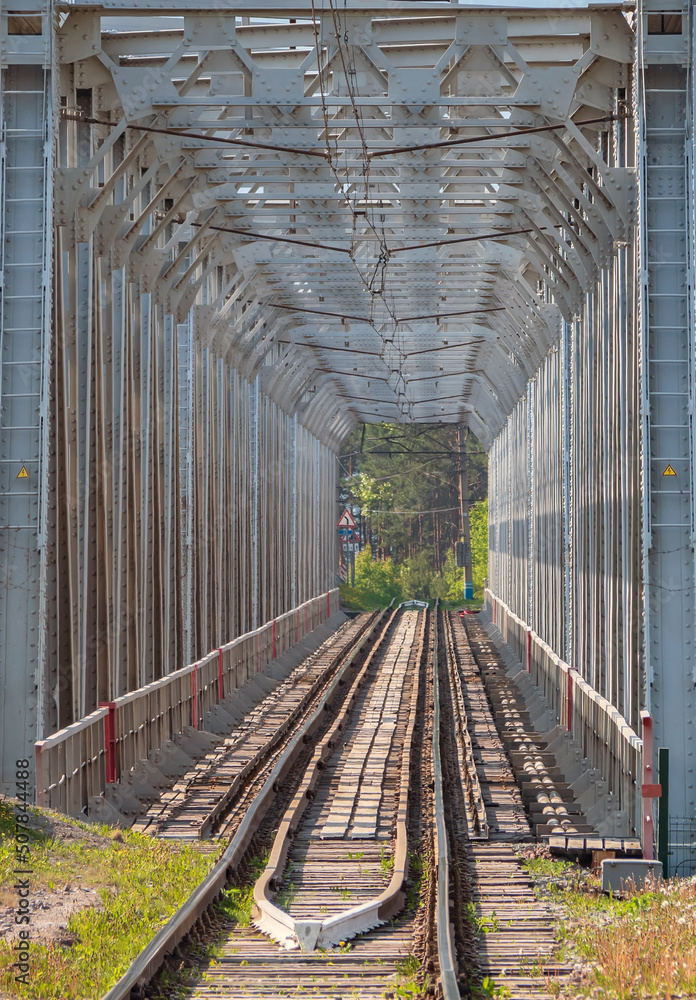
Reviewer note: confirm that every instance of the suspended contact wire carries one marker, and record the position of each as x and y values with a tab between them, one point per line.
376	283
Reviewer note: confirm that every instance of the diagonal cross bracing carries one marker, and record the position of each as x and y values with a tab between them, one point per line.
377	161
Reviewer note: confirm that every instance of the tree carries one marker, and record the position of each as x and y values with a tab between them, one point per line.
478	520
376	581
454	578
404	480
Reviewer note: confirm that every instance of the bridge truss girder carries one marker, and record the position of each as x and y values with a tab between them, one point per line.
246	261
325	218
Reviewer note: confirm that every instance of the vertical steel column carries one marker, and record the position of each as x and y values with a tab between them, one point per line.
294	568
26	165
235	628
186	488
667	239
567	491
254	498
532	388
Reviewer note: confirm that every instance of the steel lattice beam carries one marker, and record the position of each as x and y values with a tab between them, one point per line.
295	132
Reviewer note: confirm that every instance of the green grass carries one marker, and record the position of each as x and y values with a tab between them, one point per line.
639	947
418	870
386	861
140	882
236	903
481	924
410	978
354	600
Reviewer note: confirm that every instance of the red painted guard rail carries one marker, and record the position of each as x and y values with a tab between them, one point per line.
605	737
77	762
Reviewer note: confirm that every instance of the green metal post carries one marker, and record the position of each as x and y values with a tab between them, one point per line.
663	809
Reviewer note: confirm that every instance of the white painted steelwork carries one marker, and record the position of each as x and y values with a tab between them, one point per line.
275	221
574	576
666	93
75	763
606	740
26	222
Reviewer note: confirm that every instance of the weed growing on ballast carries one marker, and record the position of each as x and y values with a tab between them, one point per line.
236	902
286	897
418	868
357	856
638	947
410	979
481	924
488	989
386	861
343	893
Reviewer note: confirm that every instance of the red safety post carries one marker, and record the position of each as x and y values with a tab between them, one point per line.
529	650
649	790
569	702
274	638
221	693
194	696
110	740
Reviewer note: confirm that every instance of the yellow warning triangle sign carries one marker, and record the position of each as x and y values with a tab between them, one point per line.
23	474
669	471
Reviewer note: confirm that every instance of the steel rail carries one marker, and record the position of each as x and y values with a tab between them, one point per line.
445	943
151	958
475	806
268	917
311	934
347	655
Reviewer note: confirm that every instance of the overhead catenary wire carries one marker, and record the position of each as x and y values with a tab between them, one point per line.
396	341
344	183
410	513
398	320
462	239
485	137
449	347
272	239
185	133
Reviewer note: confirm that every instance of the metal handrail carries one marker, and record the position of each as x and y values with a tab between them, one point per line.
152	956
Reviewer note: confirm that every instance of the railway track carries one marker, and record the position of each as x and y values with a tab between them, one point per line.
514	938
210	799
390	819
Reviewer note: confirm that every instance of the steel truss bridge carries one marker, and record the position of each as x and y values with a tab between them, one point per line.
230	233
